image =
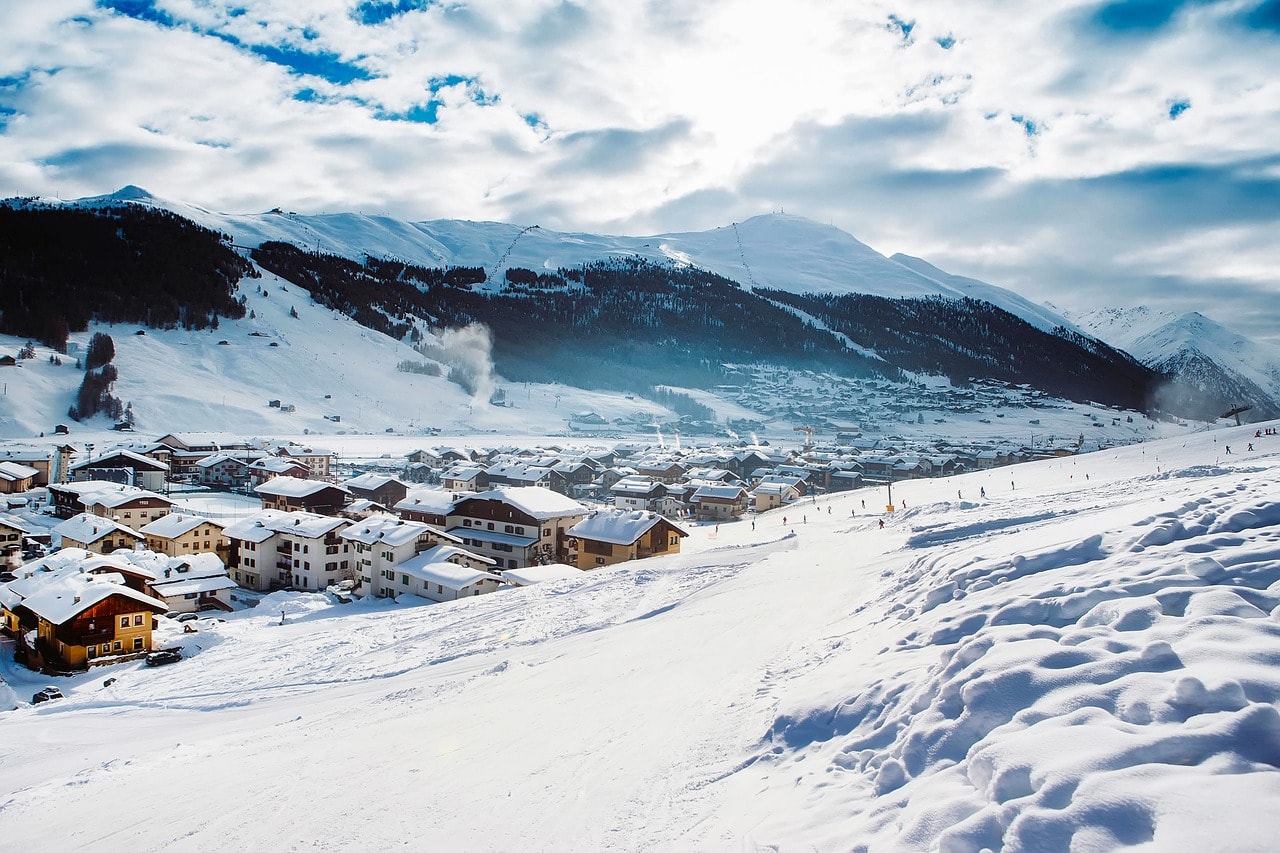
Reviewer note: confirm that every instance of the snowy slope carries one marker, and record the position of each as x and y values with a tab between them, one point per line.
321	362
1085	658
1173	343
778	251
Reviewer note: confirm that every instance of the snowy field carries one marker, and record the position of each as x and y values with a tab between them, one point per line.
1086	657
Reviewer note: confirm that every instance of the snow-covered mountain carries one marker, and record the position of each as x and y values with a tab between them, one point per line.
1088	661
776	251
1204	359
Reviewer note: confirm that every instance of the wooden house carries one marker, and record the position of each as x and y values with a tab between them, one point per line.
615	535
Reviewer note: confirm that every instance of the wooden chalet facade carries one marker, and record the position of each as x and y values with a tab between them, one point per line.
615	536
105	621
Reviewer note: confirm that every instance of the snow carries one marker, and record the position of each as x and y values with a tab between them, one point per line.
1086	658
536	502
618	526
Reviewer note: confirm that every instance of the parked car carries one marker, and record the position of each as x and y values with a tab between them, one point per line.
188	617
45	695
164	656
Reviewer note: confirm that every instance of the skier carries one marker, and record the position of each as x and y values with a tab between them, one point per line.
882	524
982	491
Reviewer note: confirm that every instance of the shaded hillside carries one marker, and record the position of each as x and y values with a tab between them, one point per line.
619	324
967	338
62	267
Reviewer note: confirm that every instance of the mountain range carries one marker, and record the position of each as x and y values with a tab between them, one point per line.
628	313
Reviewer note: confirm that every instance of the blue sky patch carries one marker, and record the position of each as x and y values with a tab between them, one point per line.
1178	107
1029	125
1265	16
374	12
901	26
1139	17
946	42
142	10
323	64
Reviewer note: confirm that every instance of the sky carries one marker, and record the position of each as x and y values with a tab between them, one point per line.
1087	154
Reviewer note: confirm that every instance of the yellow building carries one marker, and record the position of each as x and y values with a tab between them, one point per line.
180	534
81	618
614	536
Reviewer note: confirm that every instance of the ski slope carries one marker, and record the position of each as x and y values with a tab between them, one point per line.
1081	653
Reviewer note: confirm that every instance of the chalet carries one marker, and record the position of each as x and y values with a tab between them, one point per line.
268	468
128	504
662	470
362	508
845	479
570	478
518	474
427	505
183	451
125	467
16	477
79	618
423	457
609	476
97	534
767	496
637	493
13	531
180	534
316	459
442	573
466	477
227	470
273	549
190	584
516	526
718	503
51	464
289	494
615	535
383	543
385	489
108	499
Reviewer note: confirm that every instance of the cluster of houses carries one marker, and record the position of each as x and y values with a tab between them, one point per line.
444	524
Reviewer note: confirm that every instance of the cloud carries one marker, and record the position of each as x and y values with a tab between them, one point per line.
1116	151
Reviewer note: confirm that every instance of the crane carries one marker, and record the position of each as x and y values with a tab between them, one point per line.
808	435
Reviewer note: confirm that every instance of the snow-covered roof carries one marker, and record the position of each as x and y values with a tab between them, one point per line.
433	566
117	495
294	487
136	458
534	501
528	575
371	481
63	598
427	500
620	527
719	492
263	525
88	528
277	465
386	530
176	524
14	471
14	523
187	586
633	485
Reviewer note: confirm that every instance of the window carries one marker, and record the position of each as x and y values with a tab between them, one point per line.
510	529
491	525
124	621
137	619
404	579
599	561
115	647
440	589
137	644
